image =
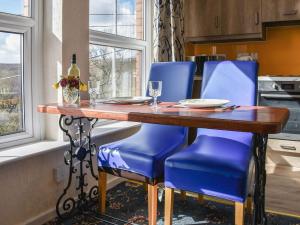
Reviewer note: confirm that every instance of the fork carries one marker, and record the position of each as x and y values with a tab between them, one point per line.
232	107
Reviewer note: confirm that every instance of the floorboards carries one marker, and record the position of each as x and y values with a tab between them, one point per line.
283	190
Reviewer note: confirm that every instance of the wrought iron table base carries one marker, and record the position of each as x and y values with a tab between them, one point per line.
77	157
259	153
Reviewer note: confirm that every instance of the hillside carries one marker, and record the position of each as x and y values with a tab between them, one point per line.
7	70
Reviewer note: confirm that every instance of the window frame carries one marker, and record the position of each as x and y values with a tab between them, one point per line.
30	28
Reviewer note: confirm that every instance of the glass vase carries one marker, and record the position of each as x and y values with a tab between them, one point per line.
70	95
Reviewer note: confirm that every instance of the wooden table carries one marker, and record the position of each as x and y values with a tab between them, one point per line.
259	120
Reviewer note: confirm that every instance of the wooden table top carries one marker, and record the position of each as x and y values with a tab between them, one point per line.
257	119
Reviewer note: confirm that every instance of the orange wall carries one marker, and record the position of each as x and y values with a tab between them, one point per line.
278	55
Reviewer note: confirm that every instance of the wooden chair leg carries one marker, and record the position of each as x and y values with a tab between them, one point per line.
249	205
239	213
145	187
102	179
169	203
152	204
183	195
200	198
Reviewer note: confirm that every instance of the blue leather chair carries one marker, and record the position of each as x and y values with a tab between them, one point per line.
218	163
141	156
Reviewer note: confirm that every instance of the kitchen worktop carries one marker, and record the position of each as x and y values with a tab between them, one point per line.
279	78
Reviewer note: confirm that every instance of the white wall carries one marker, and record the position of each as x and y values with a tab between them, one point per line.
75	36
28	190
52	66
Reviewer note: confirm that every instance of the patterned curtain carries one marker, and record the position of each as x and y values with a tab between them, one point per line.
168	30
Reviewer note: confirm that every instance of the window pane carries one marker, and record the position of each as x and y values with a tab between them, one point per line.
17	7
117	69
11	108
121	17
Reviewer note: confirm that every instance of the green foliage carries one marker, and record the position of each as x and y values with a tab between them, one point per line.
11	125
11	120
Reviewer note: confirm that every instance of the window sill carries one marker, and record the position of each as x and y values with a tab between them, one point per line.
29	150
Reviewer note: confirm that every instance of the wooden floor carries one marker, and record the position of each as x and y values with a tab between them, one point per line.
283	190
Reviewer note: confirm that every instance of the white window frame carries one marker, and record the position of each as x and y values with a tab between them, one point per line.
117	41
30	28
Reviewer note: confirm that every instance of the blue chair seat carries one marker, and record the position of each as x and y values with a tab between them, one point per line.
144	152
216	164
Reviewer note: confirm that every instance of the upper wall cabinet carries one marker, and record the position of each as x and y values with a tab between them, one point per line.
280	10
240	17
202	18
219	20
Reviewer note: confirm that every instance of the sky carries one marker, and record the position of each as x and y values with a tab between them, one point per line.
108	6
103	16
11	6
10	46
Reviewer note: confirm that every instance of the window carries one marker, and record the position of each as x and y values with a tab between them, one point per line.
120	46
18	47
120	17
11	85
117	69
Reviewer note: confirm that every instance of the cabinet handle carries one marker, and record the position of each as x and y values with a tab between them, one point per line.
257	18
287	147
291	13
217	21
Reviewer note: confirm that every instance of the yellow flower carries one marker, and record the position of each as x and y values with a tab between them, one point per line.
56	85
83	87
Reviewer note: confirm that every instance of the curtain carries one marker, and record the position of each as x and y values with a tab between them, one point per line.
168	30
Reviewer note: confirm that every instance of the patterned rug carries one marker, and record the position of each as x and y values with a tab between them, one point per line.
127	204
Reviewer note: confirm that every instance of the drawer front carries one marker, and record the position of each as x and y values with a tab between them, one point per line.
283	153
280	10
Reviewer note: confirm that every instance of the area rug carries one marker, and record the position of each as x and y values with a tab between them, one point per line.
127	204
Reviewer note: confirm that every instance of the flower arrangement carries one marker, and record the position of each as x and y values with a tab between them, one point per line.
70	82
71	87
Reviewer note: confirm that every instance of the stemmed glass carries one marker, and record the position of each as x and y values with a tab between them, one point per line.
155	88
93	91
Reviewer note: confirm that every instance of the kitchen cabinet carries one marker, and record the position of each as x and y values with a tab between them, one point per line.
202	18
280	10
240	17
218	20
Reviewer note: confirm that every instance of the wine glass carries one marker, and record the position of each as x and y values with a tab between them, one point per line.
93	91
155	88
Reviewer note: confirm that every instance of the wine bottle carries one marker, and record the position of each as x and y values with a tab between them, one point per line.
74	71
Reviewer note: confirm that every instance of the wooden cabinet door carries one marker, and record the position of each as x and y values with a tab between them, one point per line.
241	17
280	10
202	18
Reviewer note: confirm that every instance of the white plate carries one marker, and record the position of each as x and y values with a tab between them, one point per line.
203	103
128	100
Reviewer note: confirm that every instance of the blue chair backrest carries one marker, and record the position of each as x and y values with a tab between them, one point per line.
232	80
177	79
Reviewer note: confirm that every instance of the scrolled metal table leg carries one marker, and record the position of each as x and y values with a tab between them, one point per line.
81	150
259	153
